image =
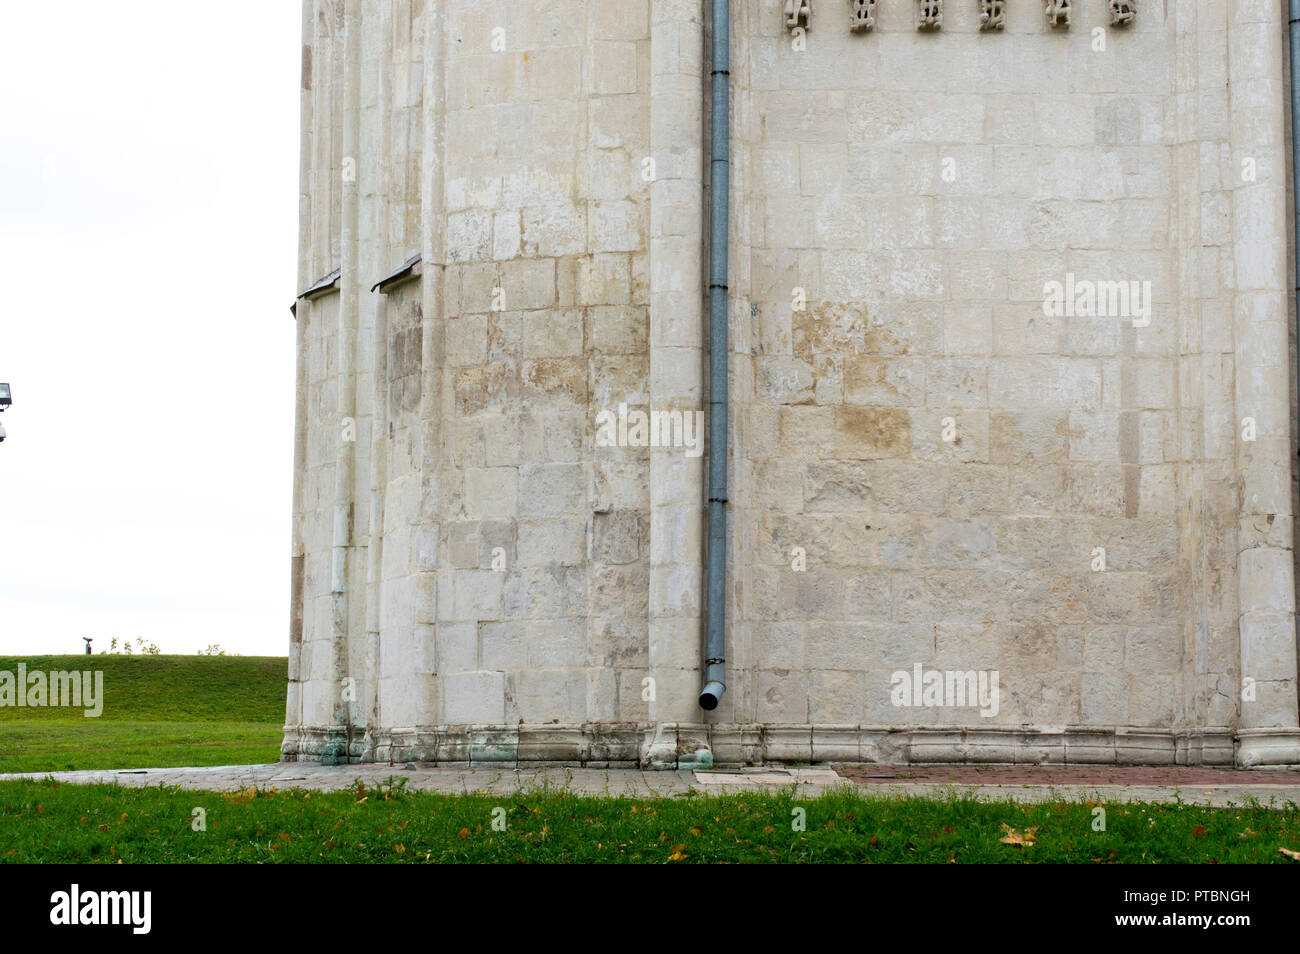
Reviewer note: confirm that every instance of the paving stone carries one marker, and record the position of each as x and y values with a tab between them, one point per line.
1021	784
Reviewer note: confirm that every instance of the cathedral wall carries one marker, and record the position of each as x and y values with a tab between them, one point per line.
951	459
930	466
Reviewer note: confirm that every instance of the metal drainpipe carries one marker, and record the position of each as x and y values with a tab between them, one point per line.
715	642
1295	162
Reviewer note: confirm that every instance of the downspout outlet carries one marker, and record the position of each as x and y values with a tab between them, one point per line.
711	695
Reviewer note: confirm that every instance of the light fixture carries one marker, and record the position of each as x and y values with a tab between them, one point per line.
6	398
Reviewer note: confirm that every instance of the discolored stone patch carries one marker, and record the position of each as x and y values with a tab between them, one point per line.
871	433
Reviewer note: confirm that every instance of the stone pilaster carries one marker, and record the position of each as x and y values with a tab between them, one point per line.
433	222
1266	590
677	329
298	549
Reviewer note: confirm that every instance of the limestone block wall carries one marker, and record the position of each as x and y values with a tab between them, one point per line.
920	202
929	466
498	558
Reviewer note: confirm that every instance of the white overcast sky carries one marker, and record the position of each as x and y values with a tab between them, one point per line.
148	236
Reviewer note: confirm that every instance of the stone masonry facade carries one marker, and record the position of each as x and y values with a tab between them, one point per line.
1011	447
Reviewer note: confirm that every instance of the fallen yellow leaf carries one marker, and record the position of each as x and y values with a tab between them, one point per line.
1012	837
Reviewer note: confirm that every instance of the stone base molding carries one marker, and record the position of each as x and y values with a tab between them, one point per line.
1268	748
676	746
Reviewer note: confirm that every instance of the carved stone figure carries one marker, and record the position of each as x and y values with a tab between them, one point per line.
1058	13
1122	12
798	13
863	15
930	15
993	15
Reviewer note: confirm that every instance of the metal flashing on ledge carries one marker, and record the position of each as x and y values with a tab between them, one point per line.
322	285
407	270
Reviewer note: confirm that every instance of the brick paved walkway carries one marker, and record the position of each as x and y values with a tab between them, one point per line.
1021	783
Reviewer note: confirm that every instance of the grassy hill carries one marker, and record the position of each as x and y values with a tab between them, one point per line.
158	711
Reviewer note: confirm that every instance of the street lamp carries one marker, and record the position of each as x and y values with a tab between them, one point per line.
6	398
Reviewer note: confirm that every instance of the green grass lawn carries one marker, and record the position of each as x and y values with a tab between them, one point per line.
48	822
158	711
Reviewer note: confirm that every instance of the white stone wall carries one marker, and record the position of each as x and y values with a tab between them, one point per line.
925	302
925	467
